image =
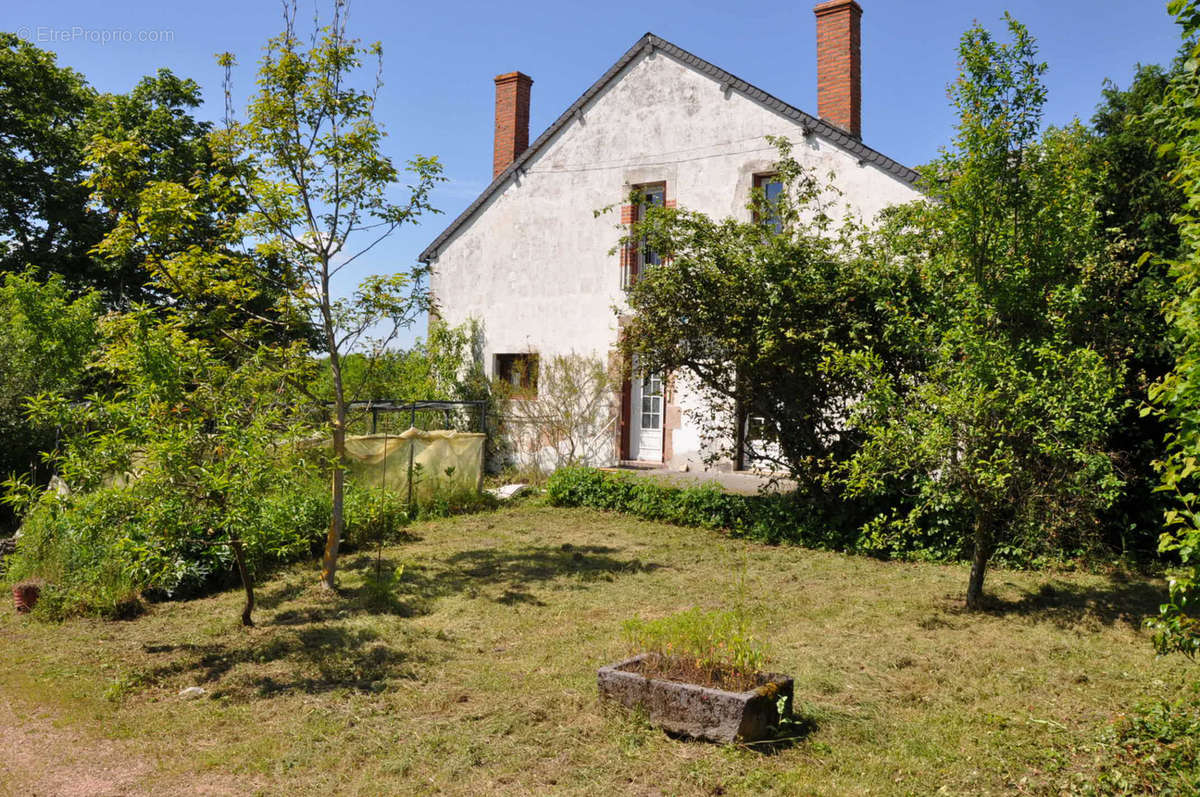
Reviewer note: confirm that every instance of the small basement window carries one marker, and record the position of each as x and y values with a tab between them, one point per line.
519	371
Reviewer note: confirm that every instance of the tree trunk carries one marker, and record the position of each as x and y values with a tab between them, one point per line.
983	552
337	516
338	489
739	422
239	555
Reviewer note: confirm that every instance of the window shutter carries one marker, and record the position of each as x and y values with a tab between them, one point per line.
628	251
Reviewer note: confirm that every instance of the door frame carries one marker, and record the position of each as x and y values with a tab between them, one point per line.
631	418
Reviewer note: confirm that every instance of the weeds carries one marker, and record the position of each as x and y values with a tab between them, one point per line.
713	648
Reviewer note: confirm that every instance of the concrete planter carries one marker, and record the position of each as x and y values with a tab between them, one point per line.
698	711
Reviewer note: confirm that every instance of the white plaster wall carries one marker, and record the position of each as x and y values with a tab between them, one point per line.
533	264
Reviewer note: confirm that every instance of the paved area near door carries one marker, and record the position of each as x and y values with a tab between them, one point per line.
742	481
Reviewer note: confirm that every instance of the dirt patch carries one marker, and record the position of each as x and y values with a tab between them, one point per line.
38	757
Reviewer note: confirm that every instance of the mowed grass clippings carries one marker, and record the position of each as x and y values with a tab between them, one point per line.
479	676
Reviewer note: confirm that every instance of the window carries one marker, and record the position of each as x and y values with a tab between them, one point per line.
771	188
520	371
652	196
652	398
638	258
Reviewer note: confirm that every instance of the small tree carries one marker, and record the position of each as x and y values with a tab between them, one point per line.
319	182
302	195
746	312
199	440
1006	420
1177	395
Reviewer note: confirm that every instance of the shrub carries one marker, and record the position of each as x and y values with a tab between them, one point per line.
776	518
74	546
769	517
372	515
99	551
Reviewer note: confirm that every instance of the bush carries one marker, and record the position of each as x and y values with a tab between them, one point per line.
99	551
74	546
372	513
771	518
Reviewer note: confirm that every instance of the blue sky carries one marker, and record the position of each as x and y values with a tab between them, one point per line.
440	59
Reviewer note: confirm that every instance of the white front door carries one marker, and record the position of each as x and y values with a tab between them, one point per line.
646	439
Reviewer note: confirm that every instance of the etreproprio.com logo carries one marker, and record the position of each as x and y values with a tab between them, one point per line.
49	34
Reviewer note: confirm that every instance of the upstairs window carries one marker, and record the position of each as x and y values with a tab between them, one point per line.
520	372
652	196
771	188
638	257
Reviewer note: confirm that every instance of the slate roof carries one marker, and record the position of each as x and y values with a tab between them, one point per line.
650	43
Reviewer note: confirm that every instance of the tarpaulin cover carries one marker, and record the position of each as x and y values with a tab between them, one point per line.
441	459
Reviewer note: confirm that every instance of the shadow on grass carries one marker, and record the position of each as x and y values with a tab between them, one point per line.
1067	604
515	570
317	660
384	591
791	731
271	598
505	574
308	649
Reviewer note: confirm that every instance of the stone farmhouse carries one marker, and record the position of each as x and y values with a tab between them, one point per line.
531	261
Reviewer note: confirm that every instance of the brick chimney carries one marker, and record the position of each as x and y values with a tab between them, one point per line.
839	64
512	119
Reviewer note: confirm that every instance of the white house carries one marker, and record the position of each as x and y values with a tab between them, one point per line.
530	260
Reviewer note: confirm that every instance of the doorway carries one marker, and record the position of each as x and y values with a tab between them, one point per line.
646	418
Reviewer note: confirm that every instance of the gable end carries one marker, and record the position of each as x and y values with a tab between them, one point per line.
650	43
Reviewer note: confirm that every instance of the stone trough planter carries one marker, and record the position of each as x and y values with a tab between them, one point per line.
698	711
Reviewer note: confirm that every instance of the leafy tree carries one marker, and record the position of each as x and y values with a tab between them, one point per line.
298	183
319	184
1177	395
46	339
1137	204
48	117
150	139
1006	421
45	219
745	311
198	439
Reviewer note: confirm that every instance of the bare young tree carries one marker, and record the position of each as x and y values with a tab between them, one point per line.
561	411
319	184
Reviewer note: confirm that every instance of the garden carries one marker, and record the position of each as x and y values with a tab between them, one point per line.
240	565
478	673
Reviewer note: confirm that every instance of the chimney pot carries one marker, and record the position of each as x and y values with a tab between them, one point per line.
512	119
839	64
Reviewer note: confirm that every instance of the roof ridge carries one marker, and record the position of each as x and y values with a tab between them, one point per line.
814	125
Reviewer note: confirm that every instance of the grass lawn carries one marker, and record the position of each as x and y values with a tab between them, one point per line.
480	677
